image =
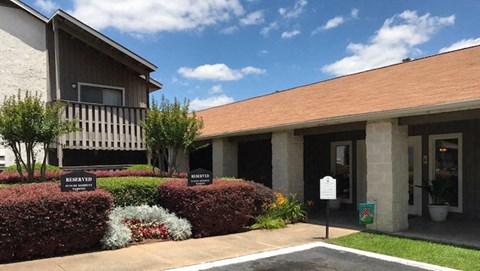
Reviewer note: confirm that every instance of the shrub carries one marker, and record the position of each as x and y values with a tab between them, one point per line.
264	197
119	234
50	168
143	167
220	208
9	178
132	191
50	176
38	220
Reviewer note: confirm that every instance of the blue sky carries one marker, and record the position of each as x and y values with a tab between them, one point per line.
218	51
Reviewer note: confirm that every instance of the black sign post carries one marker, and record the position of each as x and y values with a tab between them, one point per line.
200	177
78	181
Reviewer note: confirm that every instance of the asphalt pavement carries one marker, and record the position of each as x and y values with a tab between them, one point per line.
319	258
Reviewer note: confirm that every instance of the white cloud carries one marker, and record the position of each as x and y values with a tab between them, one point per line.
153	16
199	104
290	34
265	30
253	18
394	41
229	30
263	52
332	23
216	89
46	5
354	13
295	11
218	72
461	44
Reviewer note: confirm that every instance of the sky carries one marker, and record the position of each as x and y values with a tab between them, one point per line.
214	52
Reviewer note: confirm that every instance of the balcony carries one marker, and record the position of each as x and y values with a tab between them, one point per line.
104	127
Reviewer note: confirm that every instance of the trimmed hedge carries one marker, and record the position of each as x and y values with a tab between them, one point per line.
142	167
50	176
38	220
132	191
49	168
221	208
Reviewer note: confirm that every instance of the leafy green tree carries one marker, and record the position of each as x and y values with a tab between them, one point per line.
170	128
28	124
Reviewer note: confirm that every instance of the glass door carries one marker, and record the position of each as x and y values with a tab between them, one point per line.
341	166
446	164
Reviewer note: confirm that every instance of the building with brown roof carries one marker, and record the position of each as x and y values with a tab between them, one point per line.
379	132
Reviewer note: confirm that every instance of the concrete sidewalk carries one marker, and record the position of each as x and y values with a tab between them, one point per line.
166	255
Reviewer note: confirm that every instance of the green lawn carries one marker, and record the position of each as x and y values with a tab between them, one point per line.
422	251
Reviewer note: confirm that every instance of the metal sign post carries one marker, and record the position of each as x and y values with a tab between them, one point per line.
328	191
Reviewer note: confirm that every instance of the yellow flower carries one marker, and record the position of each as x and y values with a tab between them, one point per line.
280	198
273	205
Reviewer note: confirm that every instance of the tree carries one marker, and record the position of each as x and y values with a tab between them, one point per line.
28	124
170	128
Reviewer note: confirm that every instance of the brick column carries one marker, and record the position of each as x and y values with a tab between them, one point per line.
387	173
224	158
287	163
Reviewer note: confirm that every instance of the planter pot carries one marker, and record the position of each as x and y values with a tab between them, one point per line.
438	213
334	204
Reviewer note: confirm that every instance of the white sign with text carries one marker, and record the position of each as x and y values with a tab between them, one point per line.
328	188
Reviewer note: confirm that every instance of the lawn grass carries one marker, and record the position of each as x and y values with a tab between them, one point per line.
422	251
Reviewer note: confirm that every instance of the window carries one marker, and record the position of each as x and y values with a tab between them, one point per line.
341	166
446	163
98	94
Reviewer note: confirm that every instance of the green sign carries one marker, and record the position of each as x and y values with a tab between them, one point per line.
366	213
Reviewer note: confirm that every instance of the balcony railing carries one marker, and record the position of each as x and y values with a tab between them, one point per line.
104	127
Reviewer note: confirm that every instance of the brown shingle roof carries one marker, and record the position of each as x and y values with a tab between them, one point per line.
439	80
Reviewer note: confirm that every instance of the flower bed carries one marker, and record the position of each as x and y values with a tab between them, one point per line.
135	223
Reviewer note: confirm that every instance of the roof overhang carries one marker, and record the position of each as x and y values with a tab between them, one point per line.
102	43
371	116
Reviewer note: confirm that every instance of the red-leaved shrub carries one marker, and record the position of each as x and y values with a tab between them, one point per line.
226	206
38	220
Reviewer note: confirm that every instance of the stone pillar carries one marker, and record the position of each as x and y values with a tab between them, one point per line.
225	157
287	163
387	174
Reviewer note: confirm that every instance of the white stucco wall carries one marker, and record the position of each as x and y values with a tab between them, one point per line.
23	58
287	163
387	174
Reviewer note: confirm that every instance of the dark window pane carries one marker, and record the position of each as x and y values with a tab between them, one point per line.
90	94
446	166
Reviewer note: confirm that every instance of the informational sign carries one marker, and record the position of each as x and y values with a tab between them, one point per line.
200	177
78	181
328	188
366	213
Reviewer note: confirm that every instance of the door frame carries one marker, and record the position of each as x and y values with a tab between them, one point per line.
431	155
416	143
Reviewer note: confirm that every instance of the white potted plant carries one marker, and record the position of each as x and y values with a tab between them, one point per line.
438	208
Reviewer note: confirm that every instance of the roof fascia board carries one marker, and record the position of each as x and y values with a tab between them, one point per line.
30	10
103	38
406	112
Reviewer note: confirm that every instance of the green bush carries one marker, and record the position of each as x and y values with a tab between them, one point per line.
267	222
50	168
132	191
142	167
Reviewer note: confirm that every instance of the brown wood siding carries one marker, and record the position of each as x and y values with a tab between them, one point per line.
316	155
82	63
470	130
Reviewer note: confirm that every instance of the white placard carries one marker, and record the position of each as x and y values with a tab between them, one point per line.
328	188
